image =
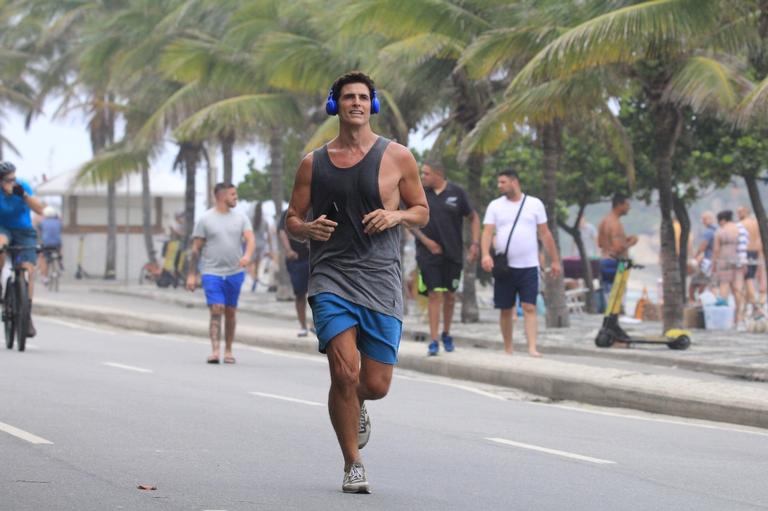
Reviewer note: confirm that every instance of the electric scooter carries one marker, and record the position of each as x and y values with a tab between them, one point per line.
611	332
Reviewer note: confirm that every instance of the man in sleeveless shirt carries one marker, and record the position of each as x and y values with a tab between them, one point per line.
346	201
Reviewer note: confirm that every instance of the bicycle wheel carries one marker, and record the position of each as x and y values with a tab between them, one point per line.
21	312
8	308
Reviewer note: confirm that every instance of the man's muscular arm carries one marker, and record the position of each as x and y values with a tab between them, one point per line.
412	195
301	199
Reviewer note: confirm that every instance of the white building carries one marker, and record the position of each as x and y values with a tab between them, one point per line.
83	209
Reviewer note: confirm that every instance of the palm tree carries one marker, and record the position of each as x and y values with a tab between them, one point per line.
657	46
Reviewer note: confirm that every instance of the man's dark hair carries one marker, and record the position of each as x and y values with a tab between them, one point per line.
436	165
221	186
351	77
618	199
725	215
512	174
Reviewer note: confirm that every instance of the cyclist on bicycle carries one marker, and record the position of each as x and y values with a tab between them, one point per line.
16	203
50	237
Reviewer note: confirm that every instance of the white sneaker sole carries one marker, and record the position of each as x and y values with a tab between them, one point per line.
357	488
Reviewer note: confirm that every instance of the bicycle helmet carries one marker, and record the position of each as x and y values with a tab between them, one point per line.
6	167
50	212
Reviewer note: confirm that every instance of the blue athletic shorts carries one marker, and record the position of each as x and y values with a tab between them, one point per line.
223	290
24	238
378	335
523	282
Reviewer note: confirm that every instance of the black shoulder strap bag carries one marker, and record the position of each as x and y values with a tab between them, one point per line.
500	266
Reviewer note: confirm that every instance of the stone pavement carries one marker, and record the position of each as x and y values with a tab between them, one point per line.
740	355
649	379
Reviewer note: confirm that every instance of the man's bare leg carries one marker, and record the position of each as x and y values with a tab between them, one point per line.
531	327
214	330
435	297
449	303
301	310
505	322
343	399
229	331
375	379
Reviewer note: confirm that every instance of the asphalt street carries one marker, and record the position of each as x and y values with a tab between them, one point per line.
88	413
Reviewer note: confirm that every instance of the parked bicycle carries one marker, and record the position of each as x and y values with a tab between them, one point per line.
16	304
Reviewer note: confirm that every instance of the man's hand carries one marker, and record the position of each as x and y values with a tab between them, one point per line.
632	241
433	246
487	263
291	255
19	190
472	255
244	262
556	268
320	229
381	220
191	282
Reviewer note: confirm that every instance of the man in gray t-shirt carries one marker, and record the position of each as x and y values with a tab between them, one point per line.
217	243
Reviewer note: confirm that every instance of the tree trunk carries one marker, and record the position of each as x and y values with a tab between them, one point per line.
190	156
146	215
227	141
284	290
554	290
470	312
681	213
759	210
102	132
111	262
586	264
667	124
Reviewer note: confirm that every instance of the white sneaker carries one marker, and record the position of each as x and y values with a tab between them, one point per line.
364	428
355	479
303	333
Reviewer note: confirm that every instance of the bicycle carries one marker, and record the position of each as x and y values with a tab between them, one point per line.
55	268
16	304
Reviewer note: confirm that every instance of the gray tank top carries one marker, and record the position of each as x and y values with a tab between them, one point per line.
363	269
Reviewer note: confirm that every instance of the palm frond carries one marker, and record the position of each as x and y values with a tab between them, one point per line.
394	110
753	109
414	51
326	132
112	165
705	84
646	30
241	114
6	142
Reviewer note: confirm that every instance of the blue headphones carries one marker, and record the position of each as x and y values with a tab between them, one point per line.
332	107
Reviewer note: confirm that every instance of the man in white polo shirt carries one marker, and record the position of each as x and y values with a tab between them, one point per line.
526	219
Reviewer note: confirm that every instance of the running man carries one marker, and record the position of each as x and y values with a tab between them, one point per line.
522	281
17	201
217	242
440	249
355	185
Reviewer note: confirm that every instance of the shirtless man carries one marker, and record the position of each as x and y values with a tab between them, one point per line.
754	278
613	241
355	185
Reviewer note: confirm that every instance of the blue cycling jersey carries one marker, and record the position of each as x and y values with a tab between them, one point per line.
14	212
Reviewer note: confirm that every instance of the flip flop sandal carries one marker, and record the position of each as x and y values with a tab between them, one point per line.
212	360
229	360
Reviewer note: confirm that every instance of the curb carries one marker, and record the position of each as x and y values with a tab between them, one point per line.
585	388
416	334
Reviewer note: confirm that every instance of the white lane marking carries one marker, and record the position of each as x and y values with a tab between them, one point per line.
455	386
546	450
286	354
24	435
127	368
734	429
79	326
285	398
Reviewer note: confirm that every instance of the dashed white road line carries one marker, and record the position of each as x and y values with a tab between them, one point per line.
455	386
79	326
564	454
127	368
24	435
286	398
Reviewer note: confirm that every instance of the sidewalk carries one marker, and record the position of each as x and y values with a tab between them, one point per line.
636	378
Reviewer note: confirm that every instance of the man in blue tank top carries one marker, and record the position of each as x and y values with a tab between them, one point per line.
346	201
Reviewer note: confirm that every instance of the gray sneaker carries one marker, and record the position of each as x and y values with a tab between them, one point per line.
355	479
364	428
